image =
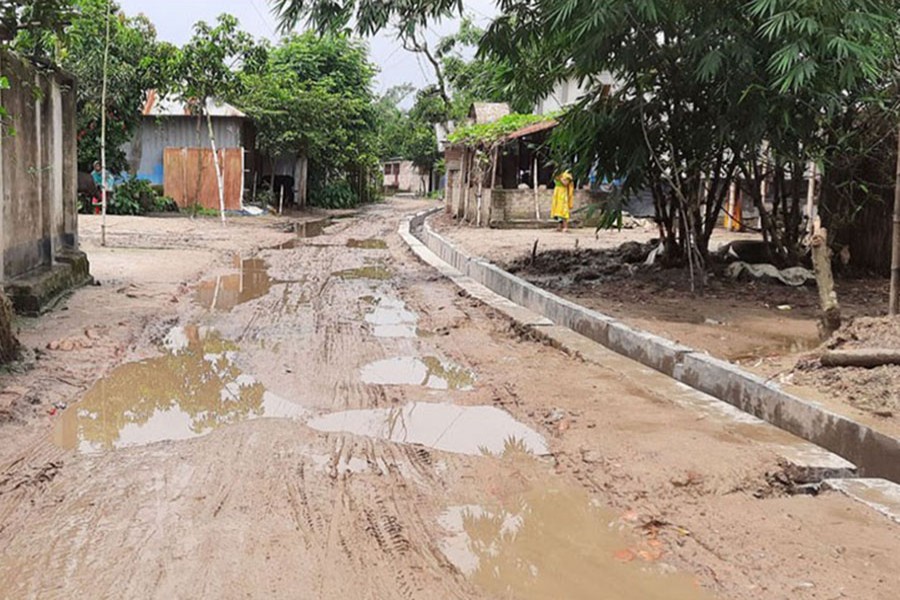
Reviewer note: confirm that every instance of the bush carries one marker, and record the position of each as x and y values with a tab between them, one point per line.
138	197
338	194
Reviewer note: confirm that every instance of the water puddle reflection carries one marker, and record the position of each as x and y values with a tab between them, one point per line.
391	319
192	390
430	372
252	281
309	229
555	543
472	430
375	272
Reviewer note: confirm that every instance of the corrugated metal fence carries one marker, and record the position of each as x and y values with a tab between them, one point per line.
190	177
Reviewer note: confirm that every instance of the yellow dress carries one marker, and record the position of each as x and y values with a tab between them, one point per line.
563	197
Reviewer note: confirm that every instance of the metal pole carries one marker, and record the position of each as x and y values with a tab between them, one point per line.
103	127
895	250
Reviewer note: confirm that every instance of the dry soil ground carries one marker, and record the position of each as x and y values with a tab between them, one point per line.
252	415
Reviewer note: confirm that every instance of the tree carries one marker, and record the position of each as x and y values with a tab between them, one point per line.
32	19
408	19
207	70
137	64
311	97
705	91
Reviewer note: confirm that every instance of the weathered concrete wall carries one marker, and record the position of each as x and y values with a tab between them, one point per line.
404	176
519	205
38	170
874	452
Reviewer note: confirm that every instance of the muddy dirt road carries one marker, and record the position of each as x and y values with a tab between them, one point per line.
251	414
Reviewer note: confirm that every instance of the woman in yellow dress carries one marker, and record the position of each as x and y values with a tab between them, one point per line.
563	200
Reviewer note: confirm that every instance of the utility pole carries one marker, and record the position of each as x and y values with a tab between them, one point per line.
895	249
103	126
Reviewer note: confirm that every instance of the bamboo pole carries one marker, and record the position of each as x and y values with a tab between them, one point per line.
103	181
537	196
895	250
281	201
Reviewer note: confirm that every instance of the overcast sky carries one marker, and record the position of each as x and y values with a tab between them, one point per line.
175	18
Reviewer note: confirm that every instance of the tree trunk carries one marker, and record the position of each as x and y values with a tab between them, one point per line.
821	256
866	358
220	179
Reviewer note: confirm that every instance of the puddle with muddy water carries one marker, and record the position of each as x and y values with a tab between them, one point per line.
391	319
430	372
472	430
554	542
376	272
780	346
252	281
192	390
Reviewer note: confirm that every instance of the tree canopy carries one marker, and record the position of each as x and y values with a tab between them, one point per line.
703	92
137	64
312	97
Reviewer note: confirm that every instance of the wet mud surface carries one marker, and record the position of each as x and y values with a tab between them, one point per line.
377	437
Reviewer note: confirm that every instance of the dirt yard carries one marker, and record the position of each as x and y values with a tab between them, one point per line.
242	412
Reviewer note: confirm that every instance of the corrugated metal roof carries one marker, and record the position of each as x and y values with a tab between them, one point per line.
169	106
488	112
532	129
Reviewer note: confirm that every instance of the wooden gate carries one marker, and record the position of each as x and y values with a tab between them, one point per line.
190	177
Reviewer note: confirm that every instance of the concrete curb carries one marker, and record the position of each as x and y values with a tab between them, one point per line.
874	453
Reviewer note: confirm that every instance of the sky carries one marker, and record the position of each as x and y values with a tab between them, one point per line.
174	20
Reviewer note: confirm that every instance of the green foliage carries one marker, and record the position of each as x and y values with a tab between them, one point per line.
138	197
489	134
367	16
32	20
312	97
137	63
701	90
338	194
195	210
207	65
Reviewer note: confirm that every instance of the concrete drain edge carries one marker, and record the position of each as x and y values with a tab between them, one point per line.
873	454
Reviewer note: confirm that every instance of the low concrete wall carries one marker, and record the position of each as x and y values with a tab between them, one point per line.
518	205
876	454
38	171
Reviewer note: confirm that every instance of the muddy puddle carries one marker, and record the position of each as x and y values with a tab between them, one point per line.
310	229
376	272
192	390
472	430
223	293
390	318
430	372
554	542
368	244
781	346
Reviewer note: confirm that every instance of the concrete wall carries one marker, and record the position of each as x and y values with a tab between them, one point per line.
404	176
146	150
39	172
566	93
518	205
